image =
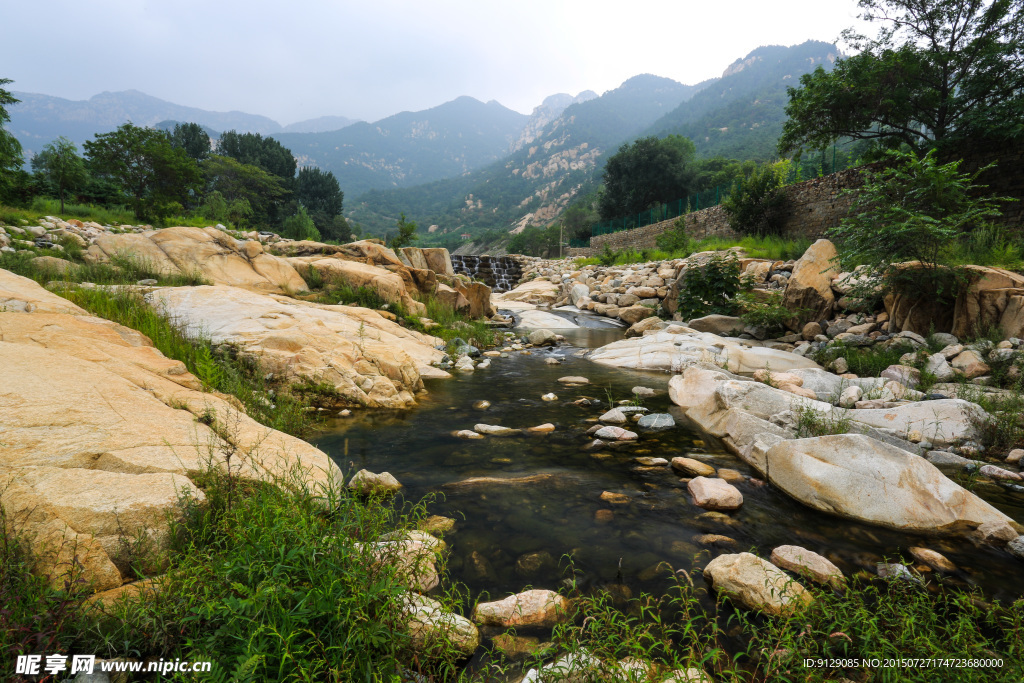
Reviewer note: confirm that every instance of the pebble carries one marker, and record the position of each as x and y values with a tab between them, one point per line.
656	421
615	434
549	397
1015	456
651	462
714	539
694	467
615	498
573	379
467	434
542	429
613	416
481	405
999	473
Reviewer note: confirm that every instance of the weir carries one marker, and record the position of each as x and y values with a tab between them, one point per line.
500	273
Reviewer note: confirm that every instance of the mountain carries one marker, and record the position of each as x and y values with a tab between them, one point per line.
322	124
548	110
545	170
741	114
411	147
39	119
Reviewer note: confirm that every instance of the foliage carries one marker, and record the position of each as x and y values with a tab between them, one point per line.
146	169
300	227
812	422
10	149
236	182
767	310
675	239
406	233
193	139
711	288
578	217
252	149
756	205
646	172
913	209
535	241
320	193
61	166
939	73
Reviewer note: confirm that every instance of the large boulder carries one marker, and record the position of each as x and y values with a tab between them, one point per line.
387	284
995	298
479	297
809	290
756	584
857	477
20	294
722	325
537	291
367	359
206	252
102	434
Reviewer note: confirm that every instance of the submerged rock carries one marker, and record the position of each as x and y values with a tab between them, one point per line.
714	494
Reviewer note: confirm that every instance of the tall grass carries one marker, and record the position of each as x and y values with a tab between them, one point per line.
770	247
122	269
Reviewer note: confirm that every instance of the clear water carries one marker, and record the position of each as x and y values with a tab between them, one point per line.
557	511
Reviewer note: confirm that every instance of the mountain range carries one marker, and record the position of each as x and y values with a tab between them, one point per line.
467	166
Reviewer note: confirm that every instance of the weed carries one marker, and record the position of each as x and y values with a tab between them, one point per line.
811	422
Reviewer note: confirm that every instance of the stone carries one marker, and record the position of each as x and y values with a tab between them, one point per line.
495	430
722	325
970	364
467	434
367	482
944	338
857	477
945	458
1015	456
690	675
542	337
634	314
840	366
714	494
614	498
777	378
532	608
808	564
481	405
578	292
573	379
756	584
935	560
810	286
613	416
437	524
850	396
643	392
1016	547
529	564
412	560
692	467
430	626
994	472
905	375
656	421
514	647
549	397
650	461
811	330
576	667
545	428
615	434
731	476
645	325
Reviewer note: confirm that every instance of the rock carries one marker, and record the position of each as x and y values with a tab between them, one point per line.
411	559
777	378
603	516
367	482
811	330
722	325
436	525
614	434
578	292
693	467
367	359
549	397
1016	547
896	572
495	430
840	366
20	294
850	396
945	458
514	647
808	564
530	564
907	376
753	583
1015	456
855	476
481	405
614	498
573	379
431	627
714	494
715	540
691	675
994	298
576	667
994	472
536	608
545	428
649	461
970	364
613	416
543	337
944	339
935	560
645	325
643	392
656	421
810	286
467	434
634	314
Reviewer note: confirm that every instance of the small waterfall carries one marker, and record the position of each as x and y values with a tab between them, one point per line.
500	273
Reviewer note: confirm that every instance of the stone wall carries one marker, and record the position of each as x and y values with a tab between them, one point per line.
817	204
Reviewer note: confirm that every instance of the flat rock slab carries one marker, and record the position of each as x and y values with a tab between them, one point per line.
692	467
807	563
756	584
572	379
495	430
657	421
714	494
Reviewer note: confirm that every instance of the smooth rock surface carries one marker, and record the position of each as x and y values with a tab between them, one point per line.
756	584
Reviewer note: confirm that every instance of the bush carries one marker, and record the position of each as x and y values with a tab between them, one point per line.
767	310
757	204
675	240
711	288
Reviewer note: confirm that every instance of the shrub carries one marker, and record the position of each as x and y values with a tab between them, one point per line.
711	288
675	240
767	310
757	205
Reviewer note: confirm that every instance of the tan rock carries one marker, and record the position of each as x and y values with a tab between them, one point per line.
20	294
634	314
432	629
933	559
540	608
810	287
692	467
756	584
807	563
389	285
714	494
479	297
970	363
367	482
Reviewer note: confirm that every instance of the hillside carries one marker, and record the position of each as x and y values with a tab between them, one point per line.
536	181
741	114
411	147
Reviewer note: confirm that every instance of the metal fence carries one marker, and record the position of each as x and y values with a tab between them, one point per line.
662	212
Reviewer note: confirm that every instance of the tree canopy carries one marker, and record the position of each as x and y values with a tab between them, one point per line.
939	73
320	193
646	172
193	139
238	182
11	158
256	150
60	165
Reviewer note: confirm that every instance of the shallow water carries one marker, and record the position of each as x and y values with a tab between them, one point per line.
557	511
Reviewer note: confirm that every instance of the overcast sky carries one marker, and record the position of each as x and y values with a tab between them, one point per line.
368	59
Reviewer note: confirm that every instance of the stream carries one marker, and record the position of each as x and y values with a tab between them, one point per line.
503	525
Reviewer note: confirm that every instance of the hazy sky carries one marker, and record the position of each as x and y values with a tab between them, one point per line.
306	58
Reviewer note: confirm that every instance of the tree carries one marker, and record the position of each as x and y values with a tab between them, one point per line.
757	204
193	139
61	166
649	171
256	150
300	227
406	233
320	193
939	73
156	177
262	191
11	158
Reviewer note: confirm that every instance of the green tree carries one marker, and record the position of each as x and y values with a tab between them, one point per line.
262	191
914	209
61	166
577	220
11	158
320	193
256	150
756	205
406	233
155	177
645	173
300	226
939	73
193	139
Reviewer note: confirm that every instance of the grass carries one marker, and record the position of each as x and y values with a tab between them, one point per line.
122	269
113	215
811	422
776	248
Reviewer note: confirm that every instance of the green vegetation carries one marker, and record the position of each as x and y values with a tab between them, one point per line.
61	166
811	422
768	247
10	148
406	233
756	205
712	288
648	171
940	73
